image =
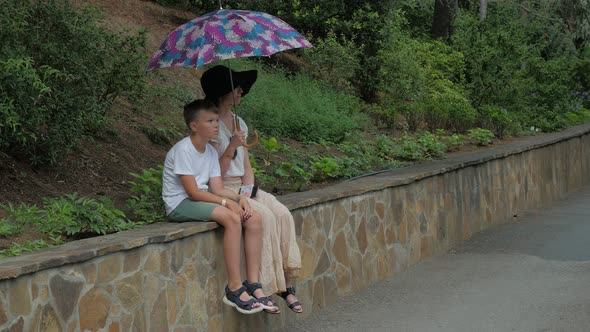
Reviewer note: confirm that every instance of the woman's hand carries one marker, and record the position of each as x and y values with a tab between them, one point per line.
238	139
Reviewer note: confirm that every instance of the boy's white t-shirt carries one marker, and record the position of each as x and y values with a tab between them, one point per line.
184	159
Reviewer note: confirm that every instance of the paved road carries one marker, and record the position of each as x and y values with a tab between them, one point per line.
531	275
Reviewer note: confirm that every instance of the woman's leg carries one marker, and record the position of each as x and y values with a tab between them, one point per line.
286	228
253	249
289	246
291	298
271	274
253	245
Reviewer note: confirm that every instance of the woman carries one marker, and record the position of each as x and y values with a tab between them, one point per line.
280	254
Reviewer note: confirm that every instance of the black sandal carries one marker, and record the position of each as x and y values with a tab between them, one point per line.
266	301
232	298
291	291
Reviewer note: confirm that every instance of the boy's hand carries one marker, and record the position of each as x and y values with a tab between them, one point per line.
235	208
246	207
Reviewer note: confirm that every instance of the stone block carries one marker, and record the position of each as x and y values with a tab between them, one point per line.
330	290
93	309
212	298
89	272
3	318
403	233
114	327
341	216
425	246
158	320
152	285
308	260
139	322
152	260
165	263
65	291
181	289
319	300
19	296
17	326
49	321
323	265
185	317
109	268
340	249
343	280
361	237
130	292
390	234
132	260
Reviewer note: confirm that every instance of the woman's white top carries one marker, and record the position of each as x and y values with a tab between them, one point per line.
185	159
236	166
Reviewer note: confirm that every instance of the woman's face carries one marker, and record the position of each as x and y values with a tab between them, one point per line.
233	98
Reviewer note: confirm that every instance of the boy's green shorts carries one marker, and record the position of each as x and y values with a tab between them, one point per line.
189	210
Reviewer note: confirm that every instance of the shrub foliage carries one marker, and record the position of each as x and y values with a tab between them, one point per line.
59	74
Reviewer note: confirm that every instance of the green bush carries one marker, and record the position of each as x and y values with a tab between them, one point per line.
422	146
59	74
295	174
453	142
79	216
69	215
521	63
498	120
18	217
335	60
300	108
29	246
325	168
481	137
146	203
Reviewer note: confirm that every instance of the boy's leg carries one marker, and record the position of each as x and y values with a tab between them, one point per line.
232	237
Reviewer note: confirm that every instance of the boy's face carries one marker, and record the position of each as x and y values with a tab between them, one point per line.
206	125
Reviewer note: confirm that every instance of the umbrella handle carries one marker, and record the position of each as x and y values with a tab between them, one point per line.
238	128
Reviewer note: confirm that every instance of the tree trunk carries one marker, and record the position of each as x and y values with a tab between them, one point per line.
444	13
483	9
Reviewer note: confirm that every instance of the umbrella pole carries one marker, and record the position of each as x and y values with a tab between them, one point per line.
231	80
220	5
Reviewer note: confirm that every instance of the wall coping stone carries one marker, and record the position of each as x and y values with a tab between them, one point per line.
86	249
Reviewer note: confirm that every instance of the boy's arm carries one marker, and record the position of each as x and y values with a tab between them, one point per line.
190	186
216	186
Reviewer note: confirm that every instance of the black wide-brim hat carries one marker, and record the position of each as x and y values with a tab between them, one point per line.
216	81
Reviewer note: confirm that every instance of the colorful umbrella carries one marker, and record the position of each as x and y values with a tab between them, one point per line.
226	34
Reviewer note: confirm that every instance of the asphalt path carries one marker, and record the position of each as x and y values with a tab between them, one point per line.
532	274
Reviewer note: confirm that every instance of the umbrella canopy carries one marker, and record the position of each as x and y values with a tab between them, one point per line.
226	34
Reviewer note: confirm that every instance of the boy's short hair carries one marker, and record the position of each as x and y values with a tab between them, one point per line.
192	109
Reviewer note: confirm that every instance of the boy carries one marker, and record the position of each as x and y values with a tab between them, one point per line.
189	166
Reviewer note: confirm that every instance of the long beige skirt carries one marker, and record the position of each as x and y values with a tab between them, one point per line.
280	252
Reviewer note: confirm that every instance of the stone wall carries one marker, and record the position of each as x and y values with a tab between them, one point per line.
170	277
